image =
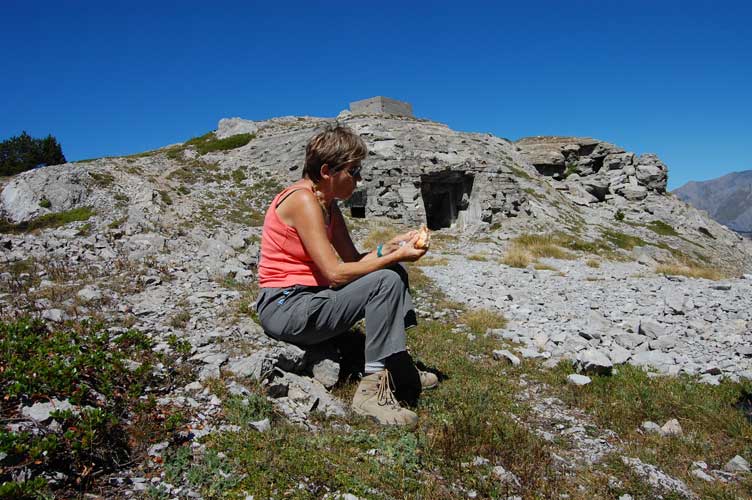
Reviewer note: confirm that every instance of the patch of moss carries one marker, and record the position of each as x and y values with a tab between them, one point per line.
47	221
208	143
660	227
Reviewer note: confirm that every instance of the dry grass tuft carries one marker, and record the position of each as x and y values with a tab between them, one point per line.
542	245
593	263
432	261
690	270
478	257
517	257
543	267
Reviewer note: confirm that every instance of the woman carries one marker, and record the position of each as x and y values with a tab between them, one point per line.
315	285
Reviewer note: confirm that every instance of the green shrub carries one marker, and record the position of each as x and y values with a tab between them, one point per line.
660	227
619	215
571	169
45	203
102	179
208	143
47	221
165	196
86	365
238	175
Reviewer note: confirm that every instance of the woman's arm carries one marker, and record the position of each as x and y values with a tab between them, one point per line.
306	217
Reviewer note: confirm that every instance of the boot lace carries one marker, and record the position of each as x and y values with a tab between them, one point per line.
385	397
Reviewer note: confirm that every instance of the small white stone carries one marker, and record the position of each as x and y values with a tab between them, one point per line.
649	426
261	425
701	474
672	428
505	355
736	464
578	380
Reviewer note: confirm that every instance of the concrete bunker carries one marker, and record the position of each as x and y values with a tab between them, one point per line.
444	195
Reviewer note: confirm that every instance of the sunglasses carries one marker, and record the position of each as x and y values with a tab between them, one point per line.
353	172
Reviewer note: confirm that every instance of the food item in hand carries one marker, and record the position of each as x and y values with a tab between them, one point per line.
424	237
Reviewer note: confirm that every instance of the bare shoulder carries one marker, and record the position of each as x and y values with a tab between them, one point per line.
298	205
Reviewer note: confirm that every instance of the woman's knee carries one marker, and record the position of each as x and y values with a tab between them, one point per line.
388	278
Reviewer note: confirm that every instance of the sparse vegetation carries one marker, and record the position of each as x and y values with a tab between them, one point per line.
661	228
45	203
47	221
517	257
691	270
593	263
477	257
571	169
86	365
209	143
165	197
619	215
102	179
714	429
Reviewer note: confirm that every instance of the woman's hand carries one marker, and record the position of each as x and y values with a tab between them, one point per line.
408	252
398	241
400	238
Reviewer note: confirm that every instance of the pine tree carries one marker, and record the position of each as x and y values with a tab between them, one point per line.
21	153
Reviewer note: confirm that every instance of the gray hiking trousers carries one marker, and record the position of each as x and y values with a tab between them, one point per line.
307	315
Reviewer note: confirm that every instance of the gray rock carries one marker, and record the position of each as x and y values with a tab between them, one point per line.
54	315
649	426
257	366
736	464
326	371
157	449
261	425
64	186
657	478
653	359
618	354
578	380
701	474
672	428
629	340
228	127
89	293
664	343
505	476
503	354
40	412
594	361
651	329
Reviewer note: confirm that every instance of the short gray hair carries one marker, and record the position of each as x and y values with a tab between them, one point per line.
333	146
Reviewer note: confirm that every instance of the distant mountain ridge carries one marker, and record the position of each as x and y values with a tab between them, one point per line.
727	199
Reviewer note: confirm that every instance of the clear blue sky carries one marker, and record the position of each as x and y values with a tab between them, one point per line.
114	78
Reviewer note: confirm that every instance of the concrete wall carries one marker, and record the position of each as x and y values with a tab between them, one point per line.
381	105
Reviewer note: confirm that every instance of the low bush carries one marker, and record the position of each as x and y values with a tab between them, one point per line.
209	143
46	221
90	368
660	227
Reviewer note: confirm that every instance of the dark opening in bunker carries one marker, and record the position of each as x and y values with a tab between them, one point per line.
357	204
444	195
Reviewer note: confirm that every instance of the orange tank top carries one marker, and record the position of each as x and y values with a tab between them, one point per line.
284	260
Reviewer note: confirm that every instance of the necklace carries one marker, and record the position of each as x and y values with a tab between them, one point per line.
322	201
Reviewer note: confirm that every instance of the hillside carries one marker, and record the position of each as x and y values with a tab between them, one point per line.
592	332
727	199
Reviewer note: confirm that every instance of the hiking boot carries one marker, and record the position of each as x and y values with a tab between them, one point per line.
374	398
428	380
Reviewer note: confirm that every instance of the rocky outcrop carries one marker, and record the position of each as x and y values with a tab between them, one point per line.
38	192
598	168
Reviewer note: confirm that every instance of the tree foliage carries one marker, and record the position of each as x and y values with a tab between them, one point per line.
23	152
